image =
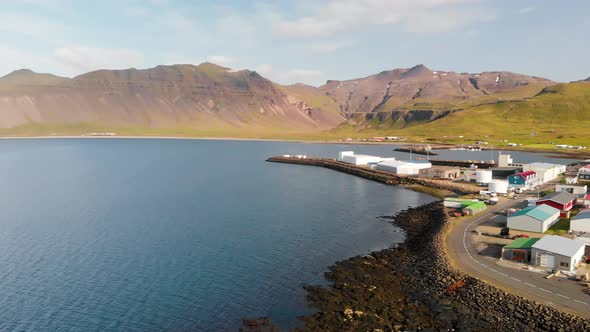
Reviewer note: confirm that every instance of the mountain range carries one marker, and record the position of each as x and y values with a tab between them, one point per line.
212	100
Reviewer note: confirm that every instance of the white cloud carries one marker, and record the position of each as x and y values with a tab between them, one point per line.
84	58
327	46
264	69
31	26
221	60
345	15
527	10
136	11
240	30
290	76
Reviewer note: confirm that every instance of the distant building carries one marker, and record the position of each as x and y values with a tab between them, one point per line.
519	250
562	201
523	179
538	218
584	173
357	159
473	209
580	223
504	160
400	167
545	171
556	252
441	172
467	206
578	190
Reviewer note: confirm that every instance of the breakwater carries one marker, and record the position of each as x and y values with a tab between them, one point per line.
377	175
420	150
414	286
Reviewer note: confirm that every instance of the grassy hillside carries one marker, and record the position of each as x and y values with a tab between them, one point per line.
560	114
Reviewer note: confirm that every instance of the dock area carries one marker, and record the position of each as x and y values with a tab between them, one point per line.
377	175
463	163
419	150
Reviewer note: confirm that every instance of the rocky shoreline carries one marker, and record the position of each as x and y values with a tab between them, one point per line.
414	287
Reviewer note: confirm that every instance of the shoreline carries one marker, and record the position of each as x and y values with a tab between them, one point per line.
415	285
551	153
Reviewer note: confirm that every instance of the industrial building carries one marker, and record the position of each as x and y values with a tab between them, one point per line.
403	167
519	250
468	207
473	209
458	202
562	200
498	186
468	174
578	190
545	171
483	176
358	159
584	173
581	222
523	179
441	172
536	218
504	160
556	252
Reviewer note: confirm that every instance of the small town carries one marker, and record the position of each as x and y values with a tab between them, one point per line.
522	225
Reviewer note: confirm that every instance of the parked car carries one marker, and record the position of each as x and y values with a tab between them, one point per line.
518	236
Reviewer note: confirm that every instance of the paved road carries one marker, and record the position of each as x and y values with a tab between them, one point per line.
563	294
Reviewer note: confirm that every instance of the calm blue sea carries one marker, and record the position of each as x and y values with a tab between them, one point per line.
174	235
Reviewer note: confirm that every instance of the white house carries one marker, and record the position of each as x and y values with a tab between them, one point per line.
412	167
536	218
545	171
357	159
557	252
584	173
578	190
581	222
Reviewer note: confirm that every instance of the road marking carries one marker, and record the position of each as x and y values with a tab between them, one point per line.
526	283
581	302
545	290
565	297
516	279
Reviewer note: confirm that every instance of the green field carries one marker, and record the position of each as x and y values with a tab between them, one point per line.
560	114
559	228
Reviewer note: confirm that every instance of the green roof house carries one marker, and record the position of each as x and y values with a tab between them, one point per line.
519	250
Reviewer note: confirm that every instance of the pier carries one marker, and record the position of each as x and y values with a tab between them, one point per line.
377	175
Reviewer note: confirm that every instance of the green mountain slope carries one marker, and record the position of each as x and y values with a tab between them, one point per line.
558	114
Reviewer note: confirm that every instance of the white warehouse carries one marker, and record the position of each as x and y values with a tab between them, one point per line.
358	159
557	252
537	218
545	171
400	167
581	222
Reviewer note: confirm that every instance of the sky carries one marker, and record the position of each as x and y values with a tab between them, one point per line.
308	41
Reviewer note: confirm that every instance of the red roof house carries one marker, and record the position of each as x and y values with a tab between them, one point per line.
562	201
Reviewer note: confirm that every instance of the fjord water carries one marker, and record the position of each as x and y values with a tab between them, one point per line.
153	235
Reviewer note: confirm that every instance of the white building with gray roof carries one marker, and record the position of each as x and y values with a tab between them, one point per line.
557	252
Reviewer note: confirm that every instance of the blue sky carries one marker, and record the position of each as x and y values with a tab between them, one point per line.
299	41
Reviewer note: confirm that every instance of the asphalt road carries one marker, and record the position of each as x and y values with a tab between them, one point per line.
563	294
